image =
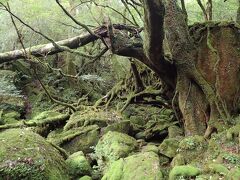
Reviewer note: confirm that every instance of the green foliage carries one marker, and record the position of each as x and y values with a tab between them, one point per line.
222	10
7	85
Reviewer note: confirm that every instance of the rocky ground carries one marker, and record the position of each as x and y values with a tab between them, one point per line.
143	143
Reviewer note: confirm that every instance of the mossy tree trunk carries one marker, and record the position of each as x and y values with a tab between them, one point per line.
204	103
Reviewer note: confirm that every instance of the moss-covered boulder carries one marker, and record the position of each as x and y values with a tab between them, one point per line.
158	128
26	155
85	178
123	127
150	148
194	147
138	167
169	147
91	117
76	139
115	145
233	132
10	117
178	160
234	174
183	171
78	165
175	131
217	168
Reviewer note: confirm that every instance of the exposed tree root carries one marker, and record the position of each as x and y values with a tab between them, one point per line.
149	91
61	119
109	96
51	98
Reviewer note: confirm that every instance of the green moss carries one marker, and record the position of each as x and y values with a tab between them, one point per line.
123	127
178	160
26	155
91	117
45	115
22	170
115	145
85	178
76	139
150	148
78	165
174	131
186	171
217	168
138	167
192	143
11	117
234	174
233	132
169	147
194	147
141	115
46	121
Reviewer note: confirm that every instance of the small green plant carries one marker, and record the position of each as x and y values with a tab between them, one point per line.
231	158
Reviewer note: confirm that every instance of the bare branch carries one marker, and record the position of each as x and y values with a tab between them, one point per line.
121	14
74	20
129	11
203	9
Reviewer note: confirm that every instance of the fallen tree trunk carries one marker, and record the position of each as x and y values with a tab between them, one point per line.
72	43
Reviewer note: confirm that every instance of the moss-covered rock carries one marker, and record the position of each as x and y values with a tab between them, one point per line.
150	148
26	155
115	145
175	131
138	167
78	165
234	174
123	127
194	147
76	139
185	171
85	178
91	117
233	132
217	168
169	147
157	128
141	115
178	160
11	117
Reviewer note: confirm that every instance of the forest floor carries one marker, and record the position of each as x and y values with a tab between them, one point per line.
142	142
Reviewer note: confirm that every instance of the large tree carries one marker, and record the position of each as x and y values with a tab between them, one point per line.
201	72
